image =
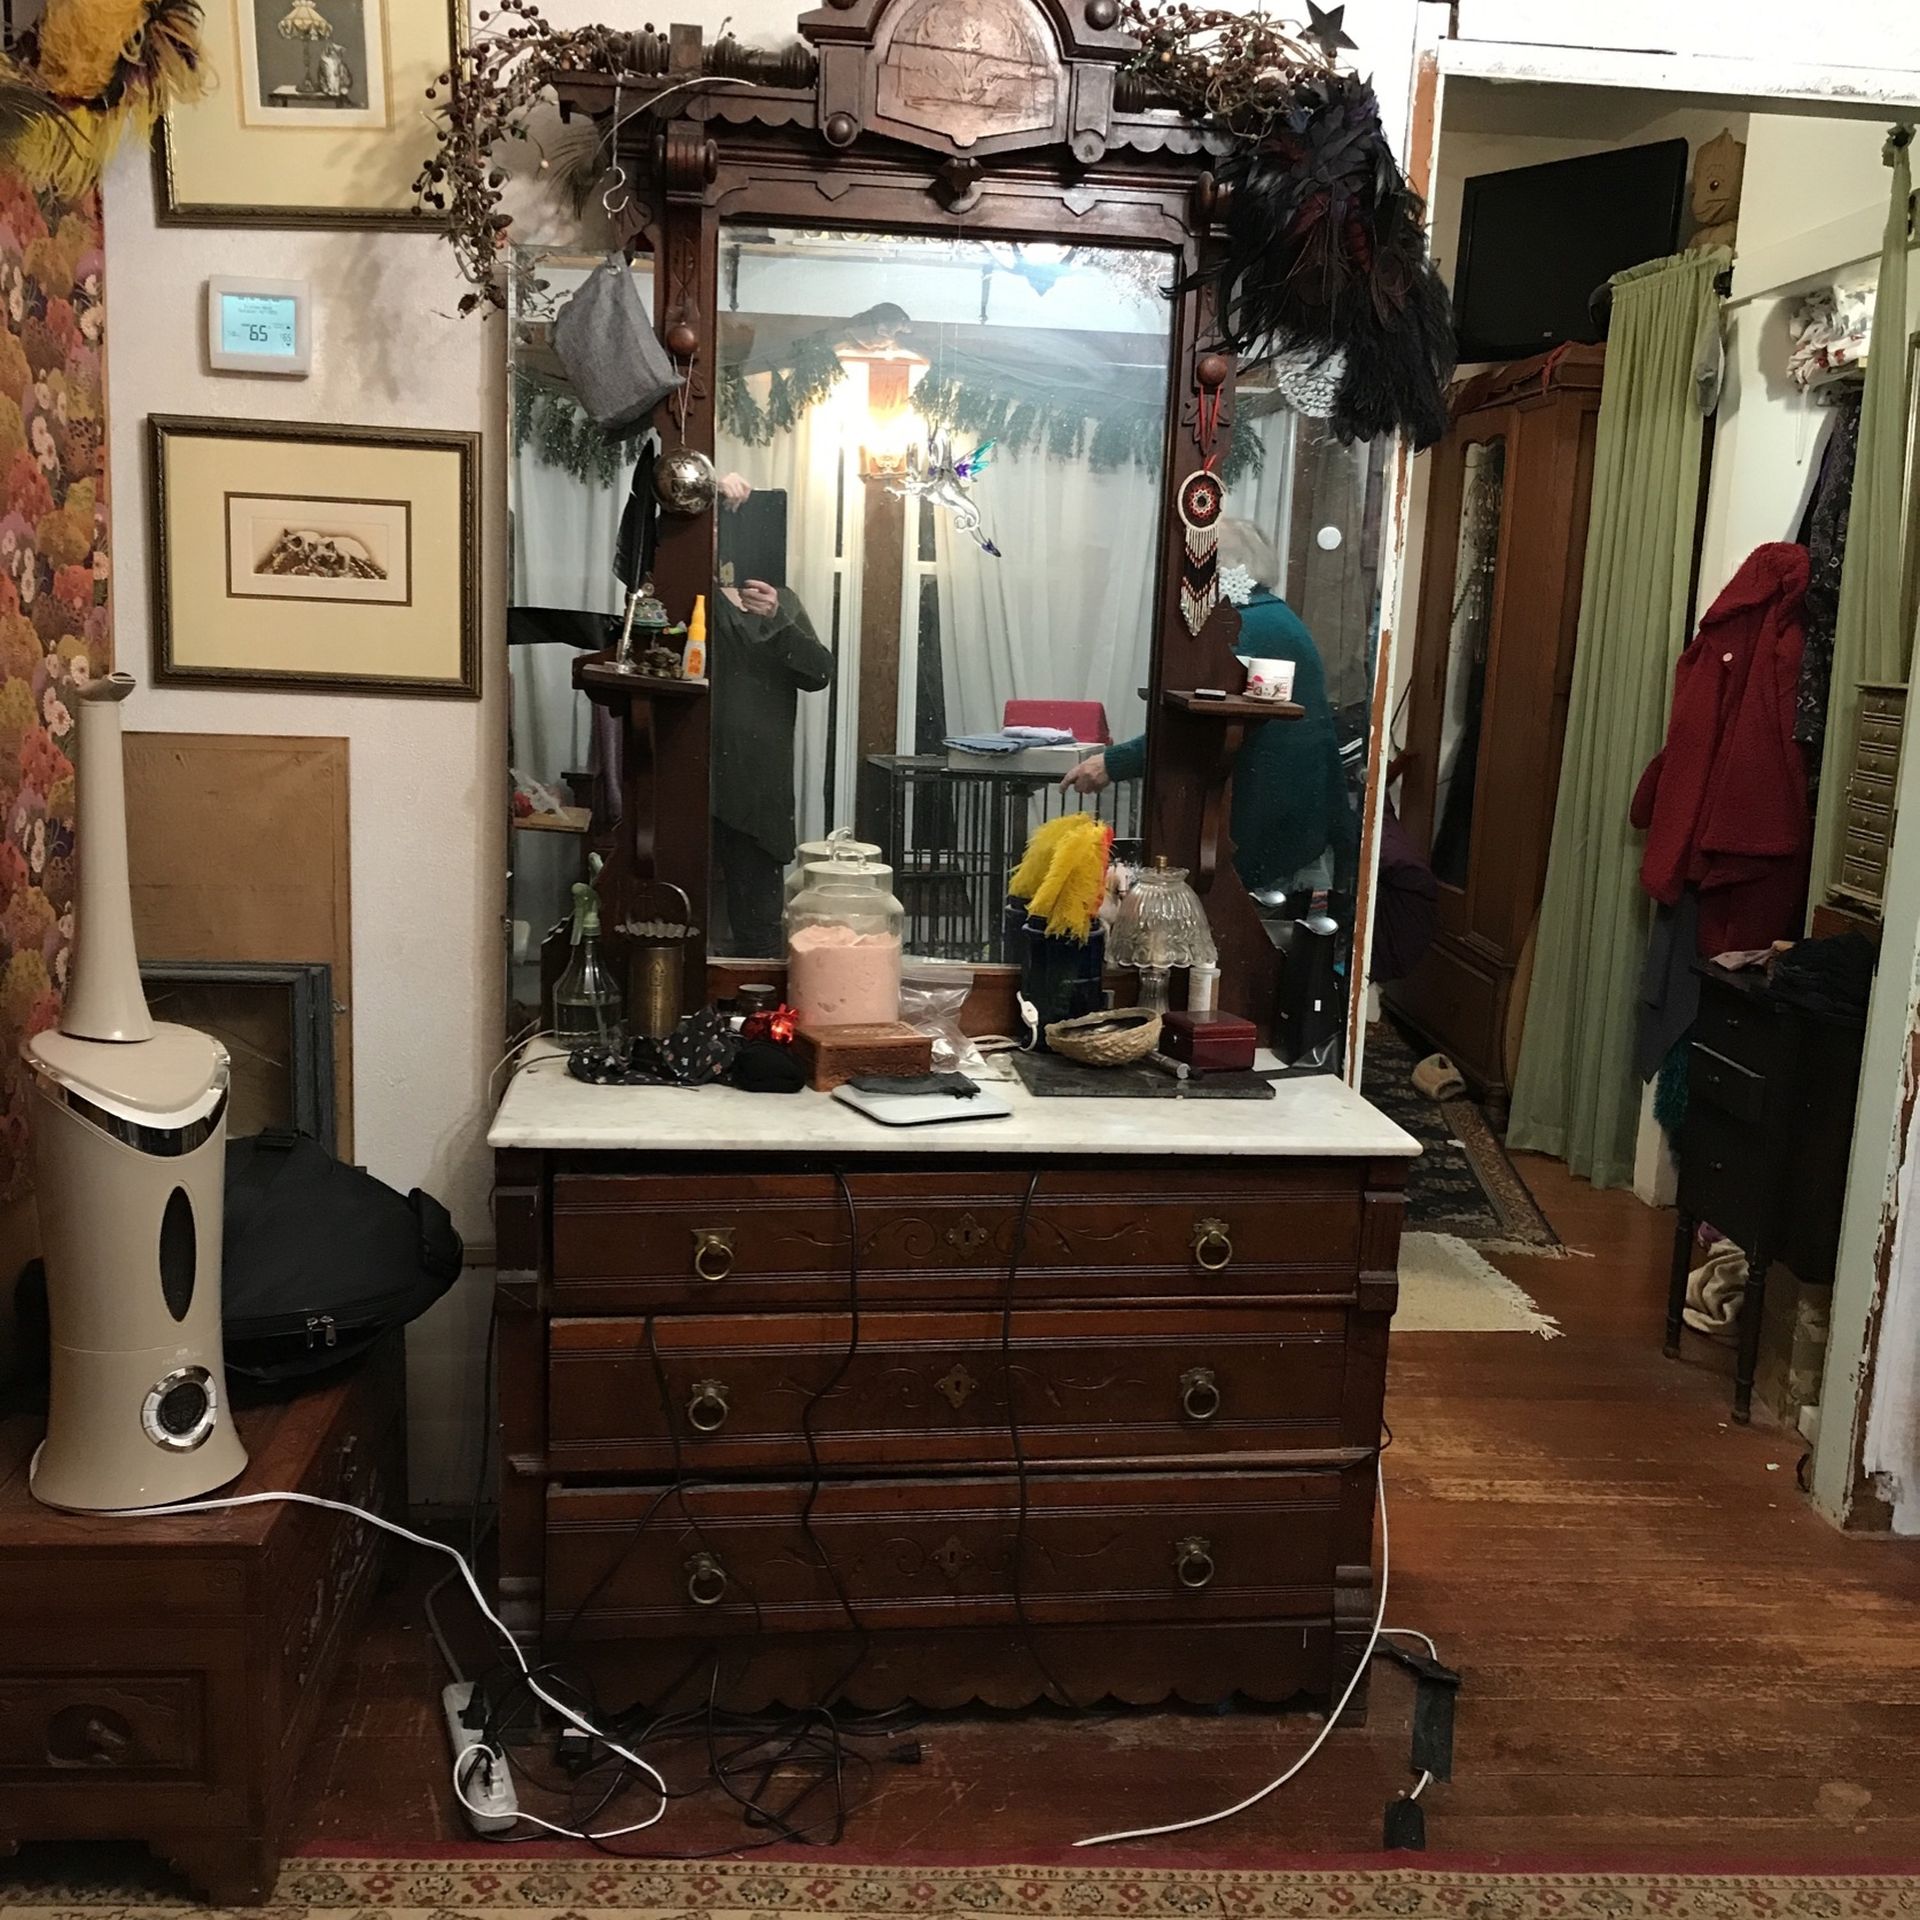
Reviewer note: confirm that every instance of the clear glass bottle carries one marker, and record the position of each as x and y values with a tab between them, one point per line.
586	1002
844	941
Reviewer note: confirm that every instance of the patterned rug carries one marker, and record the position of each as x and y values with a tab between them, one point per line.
1463	1183
512	1883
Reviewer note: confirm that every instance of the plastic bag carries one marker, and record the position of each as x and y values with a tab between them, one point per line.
932	992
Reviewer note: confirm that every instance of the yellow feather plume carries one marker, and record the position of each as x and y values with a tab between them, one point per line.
1064	873
116	66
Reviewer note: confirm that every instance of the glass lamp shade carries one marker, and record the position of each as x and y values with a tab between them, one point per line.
1162	924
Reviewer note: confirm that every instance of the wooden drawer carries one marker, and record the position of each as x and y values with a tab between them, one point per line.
1719	1083
1725	1175
727	1560
728	1241
931	1388
56	1725
1738	1031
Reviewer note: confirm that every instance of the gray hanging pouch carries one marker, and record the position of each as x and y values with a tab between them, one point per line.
605	339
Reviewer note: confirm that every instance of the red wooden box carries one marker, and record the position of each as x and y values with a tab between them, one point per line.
1209	1042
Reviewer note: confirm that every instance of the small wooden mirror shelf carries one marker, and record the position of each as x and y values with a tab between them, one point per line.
1012	125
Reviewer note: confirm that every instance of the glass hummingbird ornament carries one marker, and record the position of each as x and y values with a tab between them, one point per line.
934	474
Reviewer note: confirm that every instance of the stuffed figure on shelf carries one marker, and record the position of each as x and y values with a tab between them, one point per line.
1718	169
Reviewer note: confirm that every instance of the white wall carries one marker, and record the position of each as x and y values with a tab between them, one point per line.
1490	129
1873	34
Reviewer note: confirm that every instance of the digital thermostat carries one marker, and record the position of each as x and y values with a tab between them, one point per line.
258	326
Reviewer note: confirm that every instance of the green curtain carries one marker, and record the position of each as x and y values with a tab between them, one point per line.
1868	640
1575	1094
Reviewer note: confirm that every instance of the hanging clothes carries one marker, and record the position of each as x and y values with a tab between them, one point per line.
1824	535
1724	802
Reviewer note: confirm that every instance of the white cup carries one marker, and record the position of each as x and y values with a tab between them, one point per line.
1270	679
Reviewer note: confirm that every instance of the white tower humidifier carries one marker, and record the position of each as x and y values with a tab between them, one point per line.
129	1157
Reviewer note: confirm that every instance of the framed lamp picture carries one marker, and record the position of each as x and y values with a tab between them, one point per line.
343	559
320	109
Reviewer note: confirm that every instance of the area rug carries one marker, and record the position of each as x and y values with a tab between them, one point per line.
1447	1286
1463	1183
542	1889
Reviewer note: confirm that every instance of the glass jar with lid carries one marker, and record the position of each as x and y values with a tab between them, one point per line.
838	845
844	941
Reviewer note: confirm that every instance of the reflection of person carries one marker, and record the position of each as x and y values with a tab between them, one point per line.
1290	811
765	654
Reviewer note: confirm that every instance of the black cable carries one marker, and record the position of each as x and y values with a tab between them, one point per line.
1028	1637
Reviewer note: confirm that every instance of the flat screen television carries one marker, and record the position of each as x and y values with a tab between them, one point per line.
1535	243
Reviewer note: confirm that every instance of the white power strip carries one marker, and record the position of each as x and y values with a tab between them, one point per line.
483	1780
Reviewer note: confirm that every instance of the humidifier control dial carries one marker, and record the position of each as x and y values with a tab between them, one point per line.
179	1410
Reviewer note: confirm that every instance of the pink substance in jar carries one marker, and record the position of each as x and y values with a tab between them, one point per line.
837	977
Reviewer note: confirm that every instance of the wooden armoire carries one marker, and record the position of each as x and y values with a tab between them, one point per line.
1493	661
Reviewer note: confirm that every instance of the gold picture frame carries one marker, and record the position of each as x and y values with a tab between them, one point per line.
326	558
305	164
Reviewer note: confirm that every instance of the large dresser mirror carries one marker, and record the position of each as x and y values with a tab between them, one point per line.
954	402
875	631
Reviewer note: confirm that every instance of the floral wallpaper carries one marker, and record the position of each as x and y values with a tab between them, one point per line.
55	629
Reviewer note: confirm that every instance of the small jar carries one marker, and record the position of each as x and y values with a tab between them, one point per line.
844	942
838	845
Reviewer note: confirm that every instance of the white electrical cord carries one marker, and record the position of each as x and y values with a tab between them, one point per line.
479	1747
1412	1633
1319	1739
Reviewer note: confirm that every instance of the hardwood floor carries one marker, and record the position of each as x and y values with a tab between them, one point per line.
1669	1658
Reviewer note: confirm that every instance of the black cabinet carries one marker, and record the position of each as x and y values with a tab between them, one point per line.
1764	1148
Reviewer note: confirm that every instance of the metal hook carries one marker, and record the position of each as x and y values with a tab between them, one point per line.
619	183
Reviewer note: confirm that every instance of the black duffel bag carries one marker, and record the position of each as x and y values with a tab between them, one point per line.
321	1259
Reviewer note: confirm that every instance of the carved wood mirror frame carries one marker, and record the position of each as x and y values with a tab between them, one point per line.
1000	119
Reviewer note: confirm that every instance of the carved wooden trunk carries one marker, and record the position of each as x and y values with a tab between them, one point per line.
160	1679
1139	1464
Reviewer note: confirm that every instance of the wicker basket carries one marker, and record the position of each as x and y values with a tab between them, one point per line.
1113	1039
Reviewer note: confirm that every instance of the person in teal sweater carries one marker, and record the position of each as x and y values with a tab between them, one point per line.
1290	808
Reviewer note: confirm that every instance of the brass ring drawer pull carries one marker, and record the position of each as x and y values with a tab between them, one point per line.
1212	1245
706	1580
713	1252
1193	1560
1199	1393
707	1410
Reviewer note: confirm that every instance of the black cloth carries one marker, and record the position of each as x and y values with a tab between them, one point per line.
760	665
753	884
1831	976
1824	535
1669	987
765	1066
1406	904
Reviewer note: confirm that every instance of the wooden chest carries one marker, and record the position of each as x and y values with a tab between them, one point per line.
160	1679
934	1423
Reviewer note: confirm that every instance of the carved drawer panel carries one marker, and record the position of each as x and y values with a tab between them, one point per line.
729	1241
932	1388
57	1724
1115	1549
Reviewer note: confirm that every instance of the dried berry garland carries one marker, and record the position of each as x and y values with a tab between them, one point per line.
488	97
1325	267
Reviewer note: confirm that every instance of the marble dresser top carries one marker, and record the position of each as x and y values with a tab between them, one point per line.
1318	1118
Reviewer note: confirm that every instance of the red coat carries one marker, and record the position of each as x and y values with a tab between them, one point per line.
1724	804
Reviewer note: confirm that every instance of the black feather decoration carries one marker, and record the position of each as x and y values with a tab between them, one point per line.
639	523
1326	254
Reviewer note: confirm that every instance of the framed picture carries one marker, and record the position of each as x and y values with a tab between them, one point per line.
320	110
300	67
336	558
276	1023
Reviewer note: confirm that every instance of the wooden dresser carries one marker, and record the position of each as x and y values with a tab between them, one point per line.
1094	1413
160	1679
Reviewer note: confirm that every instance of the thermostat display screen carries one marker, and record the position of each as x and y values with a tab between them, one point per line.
259	323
